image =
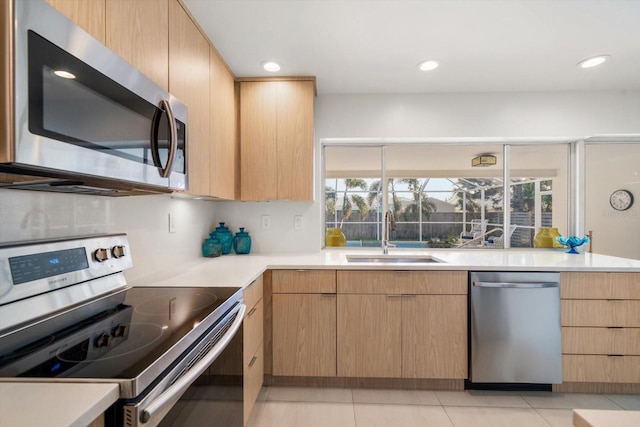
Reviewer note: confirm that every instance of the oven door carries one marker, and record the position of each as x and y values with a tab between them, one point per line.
205	377
81	110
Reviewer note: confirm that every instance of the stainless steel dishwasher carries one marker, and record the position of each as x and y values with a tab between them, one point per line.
515	327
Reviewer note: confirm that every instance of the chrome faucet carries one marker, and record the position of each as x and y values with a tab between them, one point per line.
389	224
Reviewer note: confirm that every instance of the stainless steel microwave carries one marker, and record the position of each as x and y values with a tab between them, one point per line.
82	119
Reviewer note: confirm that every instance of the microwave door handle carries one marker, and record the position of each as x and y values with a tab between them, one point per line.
155	146
173	393
173	141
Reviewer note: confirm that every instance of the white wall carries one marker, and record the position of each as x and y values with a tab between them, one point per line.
535	114
612	167
26	215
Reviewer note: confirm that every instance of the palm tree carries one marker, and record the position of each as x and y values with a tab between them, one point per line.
348	200
375	193
412	211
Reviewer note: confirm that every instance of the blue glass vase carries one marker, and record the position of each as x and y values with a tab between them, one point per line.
225	236
242	242
211	248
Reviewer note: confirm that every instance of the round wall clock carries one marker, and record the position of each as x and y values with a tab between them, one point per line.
621	200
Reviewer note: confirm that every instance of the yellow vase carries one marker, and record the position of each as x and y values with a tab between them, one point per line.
546	238
335	237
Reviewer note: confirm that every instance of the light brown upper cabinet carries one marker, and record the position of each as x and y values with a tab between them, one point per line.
88	14
138	31
189	82
224	141
276	139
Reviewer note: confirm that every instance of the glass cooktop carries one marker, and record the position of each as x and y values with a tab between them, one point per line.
138	327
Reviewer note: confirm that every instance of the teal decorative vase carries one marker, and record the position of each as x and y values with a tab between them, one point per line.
211	247
242	242
225	236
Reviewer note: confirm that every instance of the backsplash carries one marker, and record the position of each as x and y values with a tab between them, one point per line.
27	215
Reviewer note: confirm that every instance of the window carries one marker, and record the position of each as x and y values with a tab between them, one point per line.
438	198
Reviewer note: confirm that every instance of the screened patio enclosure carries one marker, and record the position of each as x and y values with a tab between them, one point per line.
439	199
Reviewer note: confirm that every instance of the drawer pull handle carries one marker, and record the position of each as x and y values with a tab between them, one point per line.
253	310
328	295
395	296
253	360
615	355
301	270
615	327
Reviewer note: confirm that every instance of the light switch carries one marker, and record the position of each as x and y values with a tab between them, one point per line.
172	223
297	222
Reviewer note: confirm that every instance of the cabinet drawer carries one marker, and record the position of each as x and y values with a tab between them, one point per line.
253	330
253	293
402	282
601	341
600	285
304	281
253	377
601	369
601	313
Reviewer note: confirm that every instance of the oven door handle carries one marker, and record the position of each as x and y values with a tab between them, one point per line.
173	393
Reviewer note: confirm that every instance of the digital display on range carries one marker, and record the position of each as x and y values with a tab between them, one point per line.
28	268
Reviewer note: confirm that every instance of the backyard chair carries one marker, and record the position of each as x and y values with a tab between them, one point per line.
478	228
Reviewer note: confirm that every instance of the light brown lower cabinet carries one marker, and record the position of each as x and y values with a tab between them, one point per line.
605	341
586	368
252	345
434	336
369	336
401	324
253	377
369	324
304	335
600	327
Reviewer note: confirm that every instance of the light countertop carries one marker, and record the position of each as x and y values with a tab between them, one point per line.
47	404
600	418
241	270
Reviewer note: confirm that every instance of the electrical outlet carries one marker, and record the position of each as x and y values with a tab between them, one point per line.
172	223
297	222
266	222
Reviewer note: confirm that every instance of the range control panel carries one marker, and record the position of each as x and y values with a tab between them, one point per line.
32	268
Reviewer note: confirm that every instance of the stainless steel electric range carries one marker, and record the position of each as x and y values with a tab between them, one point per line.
67	314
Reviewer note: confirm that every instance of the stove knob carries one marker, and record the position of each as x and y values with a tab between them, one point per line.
117	251
101	255
118	331
104	340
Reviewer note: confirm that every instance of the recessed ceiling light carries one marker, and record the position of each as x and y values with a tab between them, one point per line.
271	66
592	62
428	65
64	74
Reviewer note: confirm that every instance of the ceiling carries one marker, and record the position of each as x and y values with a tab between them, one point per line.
357	46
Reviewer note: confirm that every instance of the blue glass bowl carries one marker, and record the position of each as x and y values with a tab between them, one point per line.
573	242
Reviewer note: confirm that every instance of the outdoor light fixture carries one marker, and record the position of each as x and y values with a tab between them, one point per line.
484	160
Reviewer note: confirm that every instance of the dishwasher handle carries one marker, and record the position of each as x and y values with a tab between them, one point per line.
517	285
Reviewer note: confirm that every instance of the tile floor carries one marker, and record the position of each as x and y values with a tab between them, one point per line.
332	407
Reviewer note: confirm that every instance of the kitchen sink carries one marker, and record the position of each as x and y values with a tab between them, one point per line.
394	259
